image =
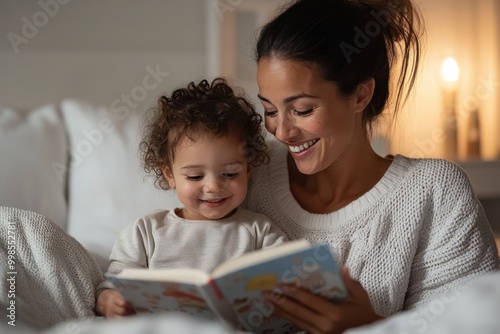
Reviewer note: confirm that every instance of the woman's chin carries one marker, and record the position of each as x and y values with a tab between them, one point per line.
305	168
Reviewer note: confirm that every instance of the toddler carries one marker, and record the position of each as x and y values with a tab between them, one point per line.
202	141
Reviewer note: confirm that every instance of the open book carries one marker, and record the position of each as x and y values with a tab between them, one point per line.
233	291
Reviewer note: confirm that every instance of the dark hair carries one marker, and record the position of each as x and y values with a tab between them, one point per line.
198	111
351	41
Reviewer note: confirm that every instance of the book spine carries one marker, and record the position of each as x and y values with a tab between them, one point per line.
214	286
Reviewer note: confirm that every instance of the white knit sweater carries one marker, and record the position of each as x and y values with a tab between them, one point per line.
417	233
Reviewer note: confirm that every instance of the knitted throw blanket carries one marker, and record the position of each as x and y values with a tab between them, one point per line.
47	276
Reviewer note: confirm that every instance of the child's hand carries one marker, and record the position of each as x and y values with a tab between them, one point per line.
112	305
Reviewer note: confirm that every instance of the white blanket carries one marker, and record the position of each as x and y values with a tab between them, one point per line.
50	277
472	309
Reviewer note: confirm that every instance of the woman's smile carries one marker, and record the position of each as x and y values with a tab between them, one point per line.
302	147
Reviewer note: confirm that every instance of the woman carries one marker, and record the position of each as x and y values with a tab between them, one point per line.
406	229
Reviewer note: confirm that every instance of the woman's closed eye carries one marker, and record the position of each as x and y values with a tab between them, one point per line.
303	112
273	113
270	113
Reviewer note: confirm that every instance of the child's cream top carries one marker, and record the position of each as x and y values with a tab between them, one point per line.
418	232
164	240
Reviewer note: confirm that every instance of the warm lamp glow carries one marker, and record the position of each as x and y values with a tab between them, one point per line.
450	70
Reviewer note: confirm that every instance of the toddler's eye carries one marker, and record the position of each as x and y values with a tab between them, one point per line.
194	177
230	175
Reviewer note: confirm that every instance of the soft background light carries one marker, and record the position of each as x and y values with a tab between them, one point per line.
468	31
450	70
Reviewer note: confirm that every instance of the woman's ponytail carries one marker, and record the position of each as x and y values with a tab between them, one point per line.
403	32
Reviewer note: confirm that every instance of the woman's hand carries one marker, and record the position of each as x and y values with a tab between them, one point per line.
317	315
112	305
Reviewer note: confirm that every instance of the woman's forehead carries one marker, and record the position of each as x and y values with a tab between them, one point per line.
289	79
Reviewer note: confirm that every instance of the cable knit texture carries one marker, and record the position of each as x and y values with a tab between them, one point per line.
418	232
55	277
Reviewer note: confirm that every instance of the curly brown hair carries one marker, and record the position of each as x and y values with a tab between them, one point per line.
212	109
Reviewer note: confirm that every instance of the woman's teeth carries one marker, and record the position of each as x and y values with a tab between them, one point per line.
305	146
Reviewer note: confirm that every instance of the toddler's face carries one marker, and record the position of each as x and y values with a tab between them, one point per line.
210	176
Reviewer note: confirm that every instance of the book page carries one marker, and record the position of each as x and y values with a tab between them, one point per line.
259	256
148	296
313	269
192	276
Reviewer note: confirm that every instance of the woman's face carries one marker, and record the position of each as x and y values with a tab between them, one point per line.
307	113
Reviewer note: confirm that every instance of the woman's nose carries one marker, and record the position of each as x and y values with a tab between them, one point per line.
285	129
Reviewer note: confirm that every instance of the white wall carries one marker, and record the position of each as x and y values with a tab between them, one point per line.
98	50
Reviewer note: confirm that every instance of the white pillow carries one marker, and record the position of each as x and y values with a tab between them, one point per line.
107	186
32	145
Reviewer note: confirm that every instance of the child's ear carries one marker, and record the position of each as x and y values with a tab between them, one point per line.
167	173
